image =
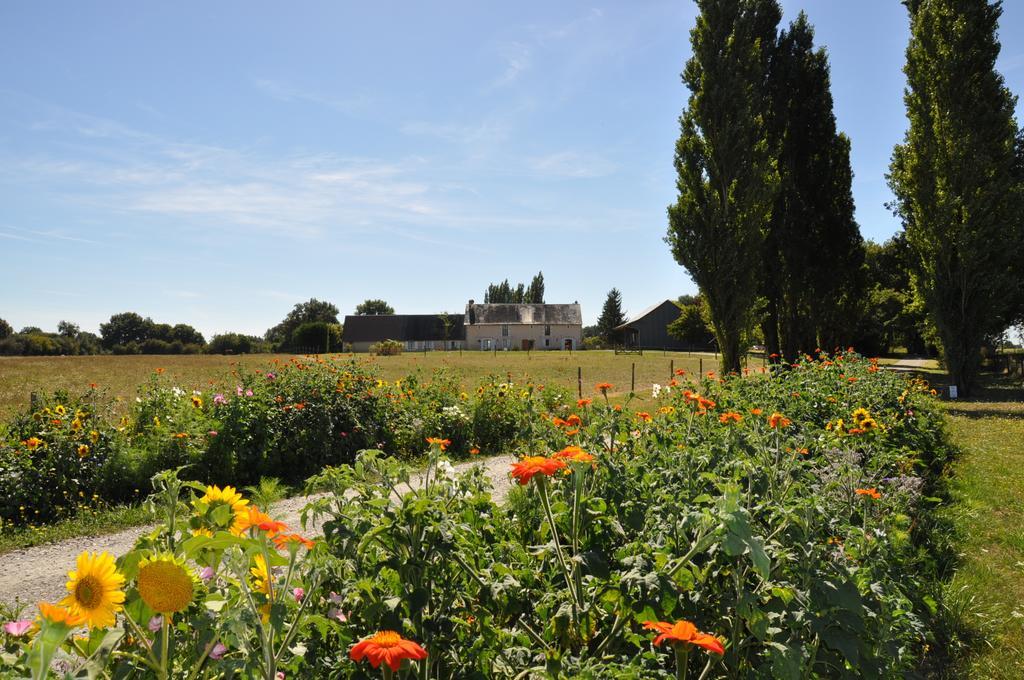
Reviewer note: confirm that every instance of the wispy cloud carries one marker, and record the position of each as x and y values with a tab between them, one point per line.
518	58
285	92
572	165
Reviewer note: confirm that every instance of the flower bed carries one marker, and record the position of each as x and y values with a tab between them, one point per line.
770	526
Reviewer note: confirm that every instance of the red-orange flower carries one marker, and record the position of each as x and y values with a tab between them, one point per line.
529	466
272	527
777	420
474	451
443	443
388	647
282	540
756	411
574	421
580	403
872	492
644	416
575	454
558	422
685	633
731	416
603	387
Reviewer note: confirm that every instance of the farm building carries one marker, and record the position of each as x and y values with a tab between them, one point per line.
649	328
523	326
414	331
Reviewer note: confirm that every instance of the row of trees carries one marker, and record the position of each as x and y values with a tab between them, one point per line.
764	217
504	292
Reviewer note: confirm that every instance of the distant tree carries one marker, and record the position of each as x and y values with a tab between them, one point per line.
691	327
186	335
535	293
5	329
31	330
611	316
304	312
68	329
726	172
957	179
504	292
373	308
317	337
125	328
236	343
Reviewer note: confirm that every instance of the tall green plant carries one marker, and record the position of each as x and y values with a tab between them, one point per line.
956	178
727	176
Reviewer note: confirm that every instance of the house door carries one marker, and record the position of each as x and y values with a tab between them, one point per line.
567	344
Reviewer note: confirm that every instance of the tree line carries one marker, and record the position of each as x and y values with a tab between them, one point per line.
764	219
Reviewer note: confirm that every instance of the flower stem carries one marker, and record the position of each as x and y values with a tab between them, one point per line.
546	502
682	651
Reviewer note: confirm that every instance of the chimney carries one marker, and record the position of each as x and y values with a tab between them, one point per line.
470	313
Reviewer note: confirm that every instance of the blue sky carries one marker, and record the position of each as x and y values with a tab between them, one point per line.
216	163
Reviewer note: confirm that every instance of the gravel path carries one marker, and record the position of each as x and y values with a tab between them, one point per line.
911	364
39	573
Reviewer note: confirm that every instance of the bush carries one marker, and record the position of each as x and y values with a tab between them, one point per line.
386	348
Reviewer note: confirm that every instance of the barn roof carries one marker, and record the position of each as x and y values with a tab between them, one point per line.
502	313
374	328
649	310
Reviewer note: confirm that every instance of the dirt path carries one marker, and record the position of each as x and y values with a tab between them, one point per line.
912	364
39	573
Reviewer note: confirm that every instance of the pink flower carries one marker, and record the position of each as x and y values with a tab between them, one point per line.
155	624
248	393
299	593
17	628
271	376
337	614
206	574
334	598
212	433
218	651
279	676
219	399
238	390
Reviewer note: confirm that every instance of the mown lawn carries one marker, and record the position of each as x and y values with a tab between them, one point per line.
987	592
121	375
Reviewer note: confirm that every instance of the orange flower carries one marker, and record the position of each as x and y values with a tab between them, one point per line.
581	403
711	374
282	540
680	371
575	454
474	451
159	371
705	403
644	416
443	443
756	411
558	422
684	633
777	420
388	647
529	466
61	615
573	421
603	387
731	416
872	492
272	527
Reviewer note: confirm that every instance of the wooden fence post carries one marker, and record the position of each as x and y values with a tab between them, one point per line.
632	379
671	369
579	381
701	359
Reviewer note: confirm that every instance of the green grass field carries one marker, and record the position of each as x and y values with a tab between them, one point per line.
121	375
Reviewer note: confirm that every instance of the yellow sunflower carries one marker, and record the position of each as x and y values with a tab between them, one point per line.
860	415
262	582
216	497
165	584
95	590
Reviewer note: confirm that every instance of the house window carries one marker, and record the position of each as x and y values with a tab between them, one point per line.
547	342
547	330
504	330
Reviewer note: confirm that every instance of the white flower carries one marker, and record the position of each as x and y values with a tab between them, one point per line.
445	469
655	390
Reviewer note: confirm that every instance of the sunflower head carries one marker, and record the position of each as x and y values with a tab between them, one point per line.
219	510
165	584
95	590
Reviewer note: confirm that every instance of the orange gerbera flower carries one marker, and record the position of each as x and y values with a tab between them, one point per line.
56	614
777	420
644	416
529	466
443	443
272	527
253	517
282	540
580	403
574	421
684	633
756	411
388	647
731	416
558	422
603	387
872	492
705	403
575	454
474	451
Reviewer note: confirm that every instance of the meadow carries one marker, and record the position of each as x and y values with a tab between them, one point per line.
120	376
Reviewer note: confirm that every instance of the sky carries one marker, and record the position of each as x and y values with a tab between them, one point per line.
217	163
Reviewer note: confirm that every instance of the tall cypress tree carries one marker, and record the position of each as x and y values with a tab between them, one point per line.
813	248
956	179
726	172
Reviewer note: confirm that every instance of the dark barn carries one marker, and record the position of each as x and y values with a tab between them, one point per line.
649	329
414	331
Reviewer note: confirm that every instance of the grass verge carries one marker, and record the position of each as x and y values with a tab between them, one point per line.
86	523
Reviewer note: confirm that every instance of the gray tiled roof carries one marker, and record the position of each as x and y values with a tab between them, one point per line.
523	314
374	328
